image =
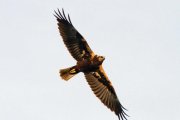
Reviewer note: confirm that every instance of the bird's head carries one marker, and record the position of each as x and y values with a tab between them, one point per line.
101	58
98	59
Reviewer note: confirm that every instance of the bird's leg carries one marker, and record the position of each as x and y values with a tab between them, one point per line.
73	71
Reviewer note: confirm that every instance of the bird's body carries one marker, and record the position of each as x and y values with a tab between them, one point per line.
88	63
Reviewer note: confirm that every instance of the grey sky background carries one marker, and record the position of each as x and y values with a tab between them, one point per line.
139	38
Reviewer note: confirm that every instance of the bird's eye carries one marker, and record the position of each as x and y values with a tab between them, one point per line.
100	58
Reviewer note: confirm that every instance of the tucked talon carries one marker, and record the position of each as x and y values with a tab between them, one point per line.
72	71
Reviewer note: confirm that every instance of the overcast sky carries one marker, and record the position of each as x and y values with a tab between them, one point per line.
139	38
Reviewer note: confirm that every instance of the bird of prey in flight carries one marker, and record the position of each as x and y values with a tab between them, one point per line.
89	63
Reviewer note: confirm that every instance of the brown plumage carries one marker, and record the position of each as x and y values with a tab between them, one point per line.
88	63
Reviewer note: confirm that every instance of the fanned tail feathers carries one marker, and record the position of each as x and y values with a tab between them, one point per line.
68	73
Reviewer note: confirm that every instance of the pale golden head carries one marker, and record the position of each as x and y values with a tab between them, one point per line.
101	58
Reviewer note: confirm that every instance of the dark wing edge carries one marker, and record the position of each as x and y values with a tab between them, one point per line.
74	41
103	89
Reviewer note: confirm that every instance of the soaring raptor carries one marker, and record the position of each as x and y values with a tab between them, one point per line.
89	63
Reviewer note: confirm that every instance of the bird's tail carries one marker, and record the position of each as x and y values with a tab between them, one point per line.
68	73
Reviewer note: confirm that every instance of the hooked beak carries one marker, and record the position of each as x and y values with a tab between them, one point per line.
103	58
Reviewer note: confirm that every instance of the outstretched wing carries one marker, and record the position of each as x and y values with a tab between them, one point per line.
103	89
73	40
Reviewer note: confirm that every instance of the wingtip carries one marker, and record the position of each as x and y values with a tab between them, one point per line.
62	9
60	15
122	115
